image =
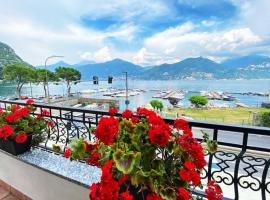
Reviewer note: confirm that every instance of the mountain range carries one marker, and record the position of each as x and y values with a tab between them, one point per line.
245	67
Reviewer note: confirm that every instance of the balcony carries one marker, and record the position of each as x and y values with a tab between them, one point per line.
240	166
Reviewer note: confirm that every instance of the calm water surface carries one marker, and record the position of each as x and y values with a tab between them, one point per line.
192	86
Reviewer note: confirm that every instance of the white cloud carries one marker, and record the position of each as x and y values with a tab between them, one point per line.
183	41
102	55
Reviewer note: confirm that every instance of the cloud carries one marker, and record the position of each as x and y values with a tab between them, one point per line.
102	55
184	41
145	32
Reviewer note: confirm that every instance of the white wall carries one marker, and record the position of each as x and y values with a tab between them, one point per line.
38	184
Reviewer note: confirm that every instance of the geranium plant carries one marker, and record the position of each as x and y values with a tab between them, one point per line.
18	124
142	157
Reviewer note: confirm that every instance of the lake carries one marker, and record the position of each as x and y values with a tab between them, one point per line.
192	86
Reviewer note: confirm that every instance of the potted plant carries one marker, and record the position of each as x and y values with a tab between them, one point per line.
143	157
18	127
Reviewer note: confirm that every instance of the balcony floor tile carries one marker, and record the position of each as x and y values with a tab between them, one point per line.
3	193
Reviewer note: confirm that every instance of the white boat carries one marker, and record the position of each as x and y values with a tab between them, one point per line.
87	91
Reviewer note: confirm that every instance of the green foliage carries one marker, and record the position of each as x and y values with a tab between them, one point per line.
19	73
265	119
198	101
157	105
7	57
69	75
44	76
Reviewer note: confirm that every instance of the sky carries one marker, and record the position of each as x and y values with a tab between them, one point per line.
147	32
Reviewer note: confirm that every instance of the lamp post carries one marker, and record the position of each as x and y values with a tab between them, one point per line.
47	83
126	101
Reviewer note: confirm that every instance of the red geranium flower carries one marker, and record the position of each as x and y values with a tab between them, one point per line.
21	138
6	131
67	153
126	196
1	111
30	101
50	124
135	120
93	160
213	192
15	107
159	135
153	196
127	114
183	194
180	124
112	111
107	130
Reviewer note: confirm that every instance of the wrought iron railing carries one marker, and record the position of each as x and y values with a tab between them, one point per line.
241	164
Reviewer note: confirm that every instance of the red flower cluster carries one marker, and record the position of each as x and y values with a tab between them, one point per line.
107	130
189	174
93	160
43	113
90	147
21	138
153	196
127	114
50	124
67	153
6	131
159	134
112	111
194	149
183	194
18	114
181	124
213	192
135	120
1	111
15	107
108	188
30	101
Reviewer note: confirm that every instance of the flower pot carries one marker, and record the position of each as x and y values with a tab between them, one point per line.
14	148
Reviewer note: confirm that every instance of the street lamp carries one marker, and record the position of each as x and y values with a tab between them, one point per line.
47	83
126	101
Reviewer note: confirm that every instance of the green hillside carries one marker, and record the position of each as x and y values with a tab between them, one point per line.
7	56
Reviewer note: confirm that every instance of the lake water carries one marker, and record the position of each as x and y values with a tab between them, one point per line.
192	86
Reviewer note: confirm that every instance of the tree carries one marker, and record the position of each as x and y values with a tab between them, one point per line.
69	75
44	76
156	104
198	101
20	73
265	119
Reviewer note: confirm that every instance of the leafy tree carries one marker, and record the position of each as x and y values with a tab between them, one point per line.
44	76
198	101
156	104
69	75
265	119
20	73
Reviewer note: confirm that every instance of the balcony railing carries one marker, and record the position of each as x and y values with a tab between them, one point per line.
241	164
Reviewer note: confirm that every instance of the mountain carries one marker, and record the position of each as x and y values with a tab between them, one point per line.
251	66
8	56
52	67
246	61
201	68
114	67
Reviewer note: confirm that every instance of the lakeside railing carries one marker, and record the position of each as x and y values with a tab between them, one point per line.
241	163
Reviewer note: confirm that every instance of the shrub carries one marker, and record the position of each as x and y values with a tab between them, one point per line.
156	104
198	101
265	119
